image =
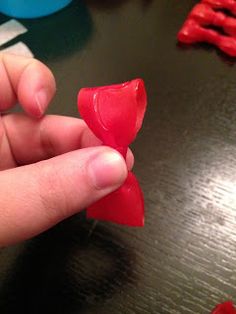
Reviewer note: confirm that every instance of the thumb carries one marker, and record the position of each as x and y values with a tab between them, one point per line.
35	197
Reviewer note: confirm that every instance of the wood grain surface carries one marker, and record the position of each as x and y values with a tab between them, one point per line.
184	260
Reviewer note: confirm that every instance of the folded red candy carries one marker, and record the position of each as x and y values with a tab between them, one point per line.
224	308
115	114
197	27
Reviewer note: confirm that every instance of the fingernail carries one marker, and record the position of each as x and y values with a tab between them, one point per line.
107	169
42	98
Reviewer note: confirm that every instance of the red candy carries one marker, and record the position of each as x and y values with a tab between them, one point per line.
115	113
222	4
124	206
224	308
196	27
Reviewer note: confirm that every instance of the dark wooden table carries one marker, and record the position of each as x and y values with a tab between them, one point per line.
184	259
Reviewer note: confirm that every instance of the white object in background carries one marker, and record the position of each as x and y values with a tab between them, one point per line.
11	30
19	49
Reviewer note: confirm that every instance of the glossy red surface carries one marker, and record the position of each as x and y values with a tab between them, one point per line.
197	27
115	113
222	4
224	308
124	206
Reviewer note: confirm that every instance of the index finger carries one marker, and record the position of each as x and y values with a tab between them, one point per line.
31	140
27	81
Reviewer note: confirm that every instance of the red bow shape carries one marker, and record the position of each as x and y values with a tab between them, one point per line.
205	14
115	113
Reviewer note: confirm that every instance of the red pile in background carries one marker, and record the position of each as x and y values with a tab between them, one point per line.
211	21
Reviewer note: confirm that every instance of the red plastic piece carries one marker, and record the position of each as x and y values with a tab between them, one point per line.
203	15
224	308
229	5
115	113
124	206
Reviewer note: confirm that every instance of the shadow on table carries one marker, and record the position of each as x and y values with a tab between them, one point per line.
60	34
65	270
65	32
108	4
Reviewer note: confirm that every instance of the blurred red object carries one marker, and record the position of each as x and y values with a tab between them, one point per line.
202	22
229	5
224	308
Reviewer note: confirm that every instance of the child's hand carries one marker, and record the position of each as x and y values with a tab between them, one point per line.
51	167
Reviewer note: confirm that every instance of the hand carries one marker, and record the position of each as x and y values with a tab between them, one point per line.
51	167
